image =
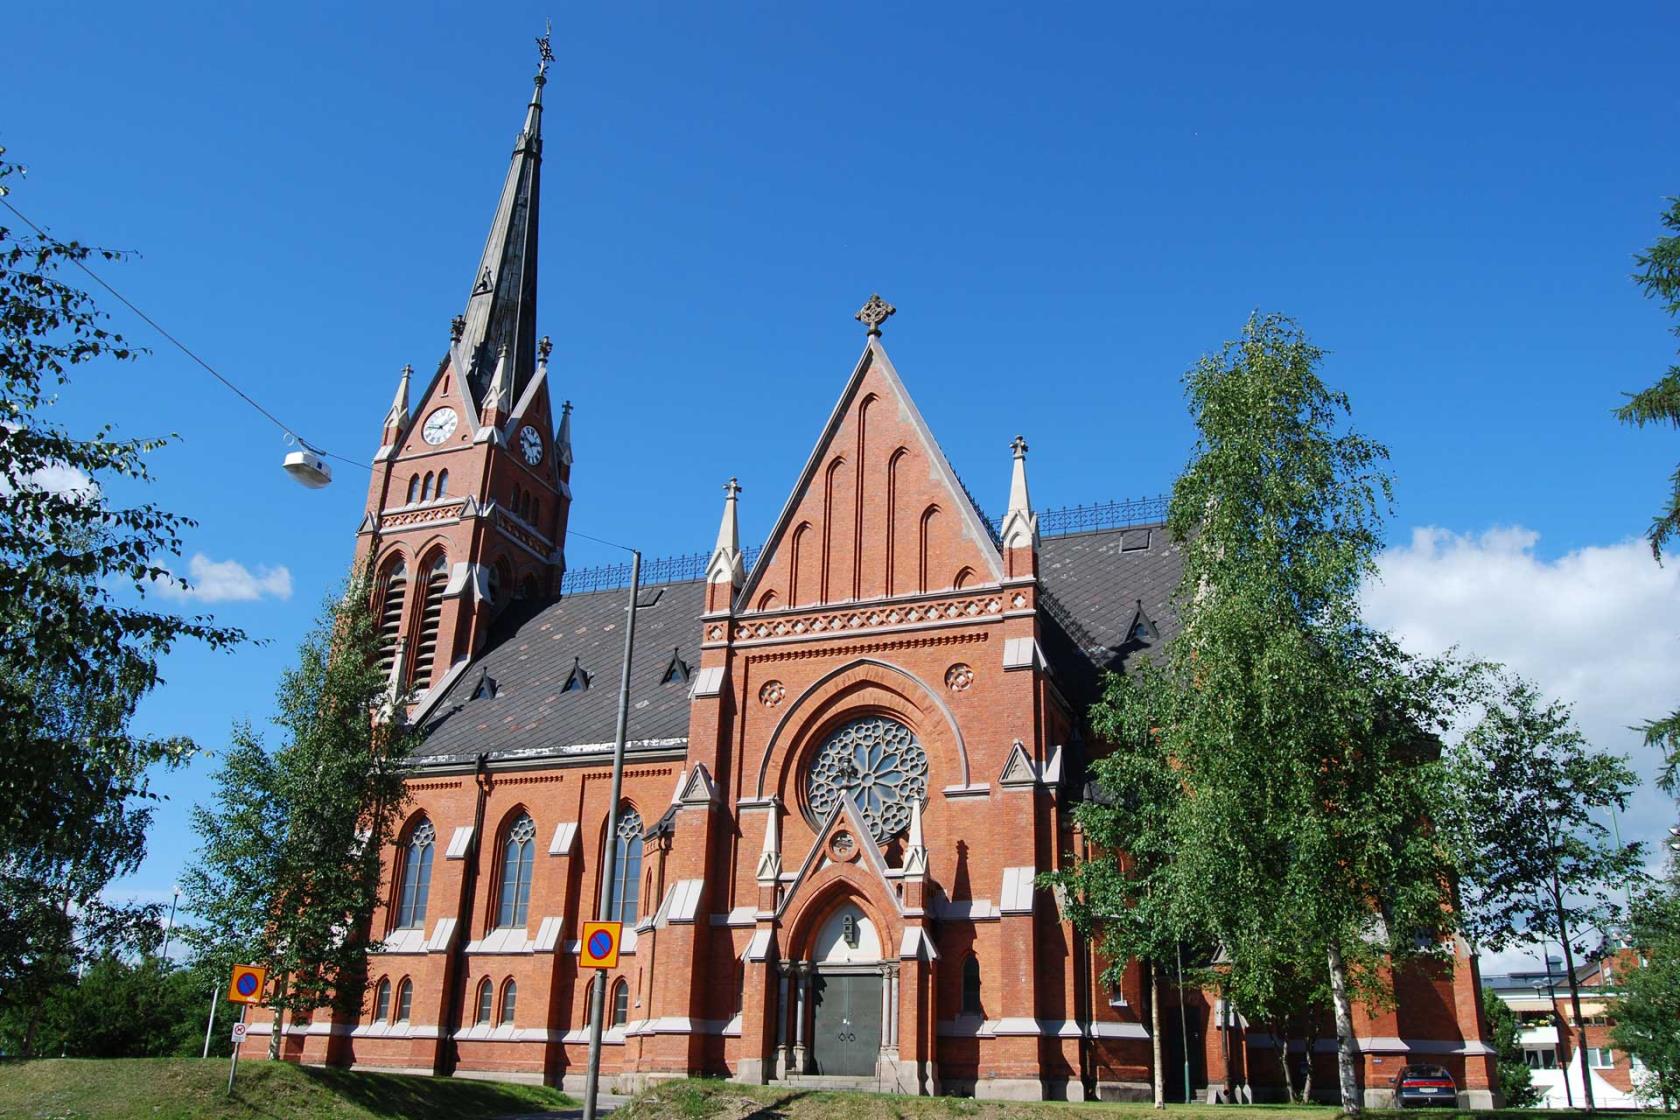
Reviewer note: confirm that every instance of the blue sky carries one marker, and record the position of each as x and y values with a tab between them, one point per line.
1068	204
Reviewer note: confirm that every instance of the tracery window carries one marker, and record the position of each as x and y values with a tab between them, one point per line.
624	892
878	763
417	876
518	852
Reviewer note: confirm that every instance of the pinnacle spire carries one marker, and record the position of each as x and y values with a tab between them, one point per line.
563	437
1020	523
727	564
502	304
398	416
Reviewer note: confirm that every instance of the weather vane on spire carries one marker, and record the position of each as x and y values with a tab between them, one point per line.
545	52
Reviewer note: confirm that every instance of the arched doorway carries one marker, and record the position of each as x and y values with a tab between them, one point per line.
846	995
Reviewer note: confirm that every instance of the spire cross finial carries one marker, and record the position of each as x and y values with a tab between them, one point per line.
1019	446
545	52
731	489
566	407
407	371
545	347
874	313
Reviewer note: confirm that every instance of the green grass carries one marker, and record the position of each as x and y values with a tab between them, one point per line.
723	1100
190	1089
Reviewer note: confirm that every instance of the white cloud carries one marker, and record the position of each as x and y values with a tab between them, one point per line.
1598	627
61	479
228	581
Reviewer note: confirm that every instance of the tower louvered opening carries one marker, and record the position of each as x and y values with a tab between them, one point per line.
395	587
431	613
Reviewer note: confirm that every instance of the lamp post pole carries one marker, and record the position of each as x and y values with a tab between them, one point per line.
598	987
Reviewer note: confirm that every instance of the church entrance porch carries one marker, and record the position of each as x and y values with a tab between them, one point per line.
846	1021
840	1006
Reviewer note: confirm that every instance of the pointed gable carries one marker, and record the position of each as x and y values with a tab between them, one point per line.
877	511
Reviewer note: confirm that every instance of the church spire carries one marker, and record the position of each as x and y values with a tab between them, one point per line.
502	304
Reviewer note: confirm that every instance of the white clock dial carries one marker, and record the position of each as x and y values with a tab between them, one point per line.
440	425
530	445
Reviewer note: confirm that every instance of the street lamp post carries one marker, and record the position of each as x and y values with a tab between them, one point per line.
598	987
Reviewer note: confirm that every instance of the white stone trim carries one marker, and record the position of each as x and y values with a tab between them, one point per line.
565	839
1017	895
458	841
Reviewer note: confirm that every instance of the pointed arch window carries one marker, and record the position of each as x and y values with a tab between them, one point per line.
426	487
413	488
620	1004
971	986
518	851
417	876
405	999
431	614
510	1001
394	590
624	892
382	1000
443	483
486	997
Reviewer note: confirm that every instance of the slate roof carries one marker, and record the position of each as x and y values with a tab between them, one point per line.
531	716
1094	584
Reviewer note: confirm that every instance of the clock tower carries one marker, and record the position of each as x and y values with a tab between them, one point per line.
466	514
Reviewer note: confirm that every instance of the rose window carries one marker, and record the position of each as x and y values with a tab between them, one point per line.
879	765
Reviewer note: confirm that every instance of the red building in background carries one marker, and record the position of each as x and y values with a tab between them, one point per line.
849	758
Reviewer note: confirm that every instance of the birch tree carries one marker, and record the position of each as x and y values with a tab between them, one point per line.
290	851
1302	744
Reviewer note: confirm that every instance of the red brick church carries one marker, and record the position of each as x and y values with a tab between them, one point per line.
849	757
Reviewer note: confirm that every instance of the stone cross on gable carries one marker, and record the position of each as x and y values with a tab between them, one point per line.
1019	446
874	313
731	489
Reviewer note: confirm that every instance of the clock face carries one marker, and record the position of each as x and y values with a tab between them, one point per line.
440	425
530	445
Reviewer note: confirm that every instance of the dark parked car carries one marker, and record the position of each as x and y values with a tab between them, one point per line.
1424	1085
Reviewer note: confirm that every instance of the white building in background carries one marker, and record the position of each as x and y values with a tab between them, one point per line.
1559	1067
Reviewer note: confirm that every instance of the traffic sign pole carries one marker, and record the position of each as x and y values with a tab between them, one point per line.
597	998
233	1067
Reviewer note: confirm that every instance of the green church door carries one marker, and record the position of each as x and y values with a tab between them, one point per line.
846	1023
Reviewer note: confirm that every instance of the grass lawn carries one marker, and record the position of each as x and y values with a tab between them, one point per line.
190	1089
723	1100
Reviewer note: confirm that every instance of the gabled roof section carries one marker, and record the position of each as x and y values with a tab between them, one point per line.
894	422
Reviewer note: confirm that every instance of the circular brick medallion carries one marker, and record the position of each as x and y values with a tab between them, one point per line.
959	677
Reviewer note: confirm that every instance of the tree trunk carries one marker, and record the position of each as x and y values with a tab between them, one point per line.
279	1021
1351	1104
1155	1037
1311	1043
1281	1040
